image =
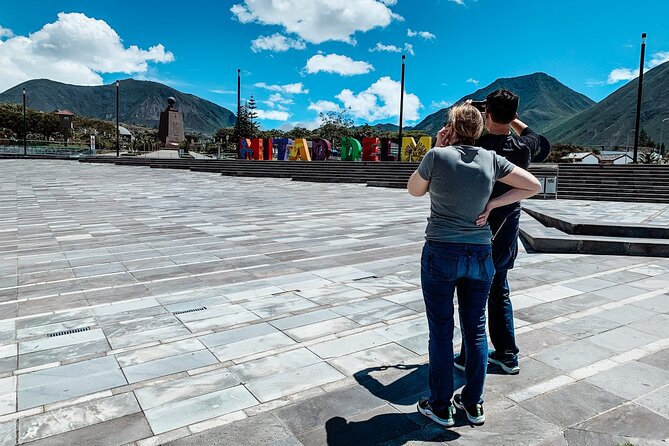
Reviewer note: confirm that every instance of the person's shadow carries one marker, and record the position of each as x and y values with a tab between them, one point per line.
406	390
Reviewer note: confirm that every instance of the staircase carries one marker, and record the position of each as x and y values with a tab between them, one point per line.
647	183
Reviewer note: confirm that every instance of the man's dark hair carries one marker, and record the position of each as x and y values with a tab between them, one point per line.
502	106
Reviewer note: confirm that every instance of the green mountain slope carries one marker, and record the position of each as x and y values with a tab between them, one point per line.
140	103
544	102
611	121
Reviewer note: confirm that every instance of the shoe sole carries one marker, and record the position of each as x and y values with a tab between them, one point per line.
459	367
428	413
508	370
476	421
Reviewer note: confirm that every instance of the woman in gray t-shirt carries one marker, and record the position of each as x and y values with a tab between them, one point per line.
458	255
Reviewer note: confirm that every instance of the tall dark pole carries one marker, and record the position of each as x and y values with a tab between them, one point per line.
399	148
239	110
25	132
638	98
118	145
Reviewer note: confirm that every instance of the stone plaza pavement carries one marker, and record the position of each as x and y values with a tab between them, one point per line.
145	306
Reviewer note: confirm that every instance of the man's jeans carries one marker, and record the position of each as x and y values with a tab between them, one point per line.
469	268
505	228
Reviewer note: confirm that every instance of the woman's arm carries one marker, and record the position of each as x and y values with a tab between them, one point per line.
524	186
417	186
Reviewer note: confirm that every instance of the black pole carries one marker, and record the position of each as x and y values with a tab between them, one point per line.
239	110
118	145
399	148
638	99
25	132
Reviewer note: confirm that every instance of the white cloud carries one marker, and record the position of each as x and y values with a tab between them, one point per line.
296	88
380	101
278	101
335	63
5	32
627	74
440	104
459	2
324	106
473	81
389	2
74	49
273	115
221	91
318	21
424	34
380	47
276	42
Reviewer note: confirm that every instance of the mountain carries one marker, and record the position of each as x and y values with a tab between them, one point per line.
609	123
544	102
140	103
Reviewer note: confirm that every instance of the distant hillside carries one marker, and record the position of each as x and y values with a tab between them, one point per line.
140	103
544	102
609	123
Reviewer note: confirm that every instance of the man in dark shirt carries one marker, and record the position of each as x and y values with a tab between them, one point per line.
526	146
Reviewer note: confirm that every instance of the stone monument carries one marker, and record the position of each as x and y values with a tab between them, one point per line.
171	128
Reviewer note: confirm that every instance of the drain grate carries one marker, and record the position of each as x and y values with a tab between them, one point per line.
283	293
67	332
192	310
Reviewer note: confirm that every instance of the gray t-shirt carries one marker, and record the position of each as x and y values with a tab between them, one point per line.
461	180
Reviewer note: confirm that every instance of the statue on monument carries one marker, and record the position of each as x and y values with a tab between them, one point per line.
171	128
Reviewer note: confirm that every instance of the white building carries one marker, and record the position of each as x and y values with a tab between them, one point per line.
581	158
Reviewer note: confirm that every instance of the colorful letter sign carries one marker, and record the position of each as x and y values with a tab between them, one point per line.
246	152
321	149
300	150
282	148
386	144
350	149
412	151
370	149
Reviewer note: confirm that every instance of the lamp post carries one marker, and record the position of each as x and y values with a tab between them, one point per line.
239	110
662	136
638	98
25	132
627	140
399	148
118	144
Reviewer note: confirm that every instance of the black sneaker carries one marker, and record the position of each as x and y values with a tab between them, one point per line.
444	418
510	366
474	411
459	362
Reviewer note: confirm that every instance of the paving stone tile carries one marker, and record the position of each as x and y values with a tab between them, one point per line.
69	381
260	368
629	420
158	334
623	339
184	412
8	433
572	404
143	355
293	381
348	344
573	355
585	327
251	346
313	413
531	372
659	360
76	417
590	284
384	355
542	312
116	432
181	389
45	343
659	304
626	314
277	305
538	340
323	328
238	334
169	365
300	320
630	380
260	430
27	360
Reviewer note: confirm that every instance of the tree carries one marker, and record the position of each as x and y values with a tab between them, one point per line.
226	138
559	151
335	125
645	140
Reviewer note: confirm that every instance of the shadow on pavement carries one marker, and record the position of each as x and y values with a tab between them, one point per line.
395	385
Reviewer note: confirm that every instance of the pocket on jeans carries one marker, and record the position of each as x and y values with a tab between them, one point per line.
439	267
486	267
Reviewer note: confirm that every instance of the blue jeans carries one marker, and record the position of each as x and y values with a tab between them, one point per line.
505	227
468	268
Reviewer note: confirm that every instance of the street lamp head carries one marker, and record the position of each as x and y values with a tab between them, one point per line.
24	92
117	84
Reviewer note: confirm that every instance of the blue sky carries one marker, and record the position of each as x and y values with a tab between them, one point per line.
299	57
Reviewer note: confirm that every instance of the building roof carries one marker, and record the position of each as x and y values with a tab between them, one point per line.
123	131
613	157
577	155
64	113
